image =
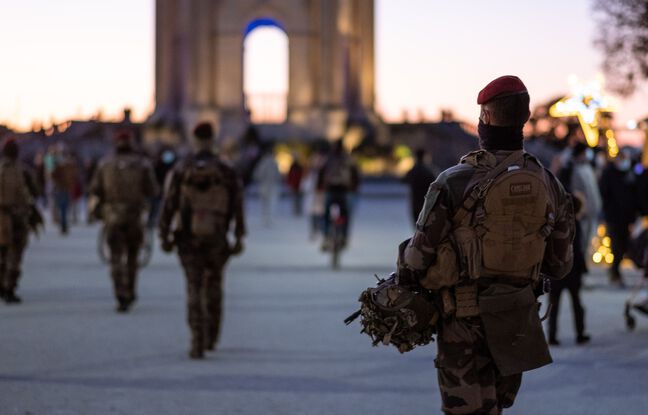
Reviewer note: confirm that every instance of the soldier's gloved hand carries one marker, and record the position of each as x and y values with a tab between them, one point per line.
166	244
238	247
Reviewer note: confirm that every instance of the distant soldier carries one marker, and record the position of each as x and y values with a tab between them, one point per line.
18	193
123	185
489	228
203	197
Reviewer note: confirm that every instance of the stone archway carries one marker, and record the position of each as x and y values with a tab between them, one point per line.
266	75
199	62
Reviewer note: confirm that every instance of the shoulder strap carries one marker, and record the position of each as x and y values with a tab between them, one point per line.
479	190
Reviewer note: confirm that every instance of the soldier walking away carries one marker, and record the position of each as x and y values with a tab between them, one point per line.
123	185
18	214
489	228
418	179
205	197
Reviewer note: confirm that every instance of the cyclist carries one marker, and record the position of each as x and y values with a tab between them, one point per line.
338	179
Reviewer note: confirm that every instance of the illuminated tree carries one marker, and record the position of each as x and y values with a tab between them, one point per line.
622	35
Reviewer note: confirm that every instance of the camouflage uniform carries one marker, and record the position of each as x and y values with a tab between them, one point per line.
124	183
202	223
469	378
17	194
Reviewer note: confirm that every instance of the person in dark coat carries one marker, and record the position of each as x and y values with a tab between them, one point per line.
618	190
572	283
418	179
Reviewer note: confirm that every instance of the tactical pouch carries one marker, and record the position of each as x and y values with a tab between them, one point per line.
470	250
513	329
466	300
444	272
6	229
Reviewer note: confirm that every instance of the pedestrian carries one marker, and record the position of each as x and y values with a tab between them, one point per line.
64	177
123	184
501	218
339	178
578	175
315	196
18	214
268	178
572	282
418	179
618	191
294	182
206	195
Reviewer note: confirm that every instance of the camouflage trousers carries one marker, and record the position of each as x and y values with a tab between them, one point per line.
468	378
11	256
125	242
203	264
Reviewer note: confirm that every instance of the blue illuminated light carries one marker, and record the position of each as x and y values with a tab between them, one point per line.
263	22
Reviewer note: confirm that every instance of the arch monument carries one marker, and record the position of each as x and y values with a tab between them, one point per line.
199	63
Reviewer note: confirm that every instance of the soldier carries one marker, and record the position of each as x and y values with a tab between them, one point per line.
489	228
123	185
18	214
204	196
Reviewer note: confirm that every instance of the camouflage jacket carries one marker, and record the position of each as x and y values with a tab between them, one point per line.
115	193
446	195
171	204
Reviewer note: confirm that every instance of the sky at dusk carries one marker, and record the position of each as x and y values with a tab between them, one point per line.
71	58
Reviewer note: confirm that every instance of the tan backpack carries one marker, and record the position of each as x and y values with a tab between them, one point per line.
205	199
14	198
13	188
124	181
501	228
123	184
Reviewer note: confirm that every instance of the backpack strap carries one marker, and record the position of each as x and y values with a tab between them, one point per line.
481	187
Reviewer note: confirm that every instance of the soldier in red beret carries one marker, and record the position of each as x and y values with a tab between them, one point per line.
206	195
18	192
123	186
488	228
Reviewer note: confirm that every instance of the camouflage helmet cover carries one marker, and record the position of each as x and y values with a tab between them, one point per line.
394	314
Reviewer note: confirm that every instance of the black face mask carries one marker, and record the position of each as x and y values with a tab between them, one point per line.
492	138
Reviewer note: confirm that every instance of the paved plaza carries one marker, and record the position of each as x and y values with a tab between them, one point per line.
284	348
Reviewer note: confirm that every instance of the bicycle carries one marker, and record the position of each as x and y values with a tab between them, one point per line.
145	253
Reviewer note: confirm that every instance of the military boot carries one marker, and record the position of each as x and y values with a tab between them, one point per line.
122	305
10	297
197	348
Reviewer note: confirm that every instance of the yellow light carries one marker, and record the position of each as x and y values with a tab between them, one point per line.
586	102
609	258
601	231
597	257
606	241
609	134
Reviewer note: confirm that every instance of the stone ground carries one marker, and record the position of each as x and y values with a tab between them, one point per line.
284	347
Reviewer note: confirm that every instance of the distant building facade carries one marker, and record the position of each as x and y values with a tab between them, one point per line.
199	63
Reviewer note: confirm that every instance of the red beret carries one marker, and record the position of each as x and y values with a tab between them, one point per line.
204	131
503	86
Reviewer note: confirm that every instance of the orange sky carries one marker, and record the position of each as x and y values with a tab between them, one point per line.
72	58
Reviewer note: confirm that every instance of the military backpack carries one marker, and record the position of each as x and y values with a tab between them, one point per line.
501	227
123	184
205	199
